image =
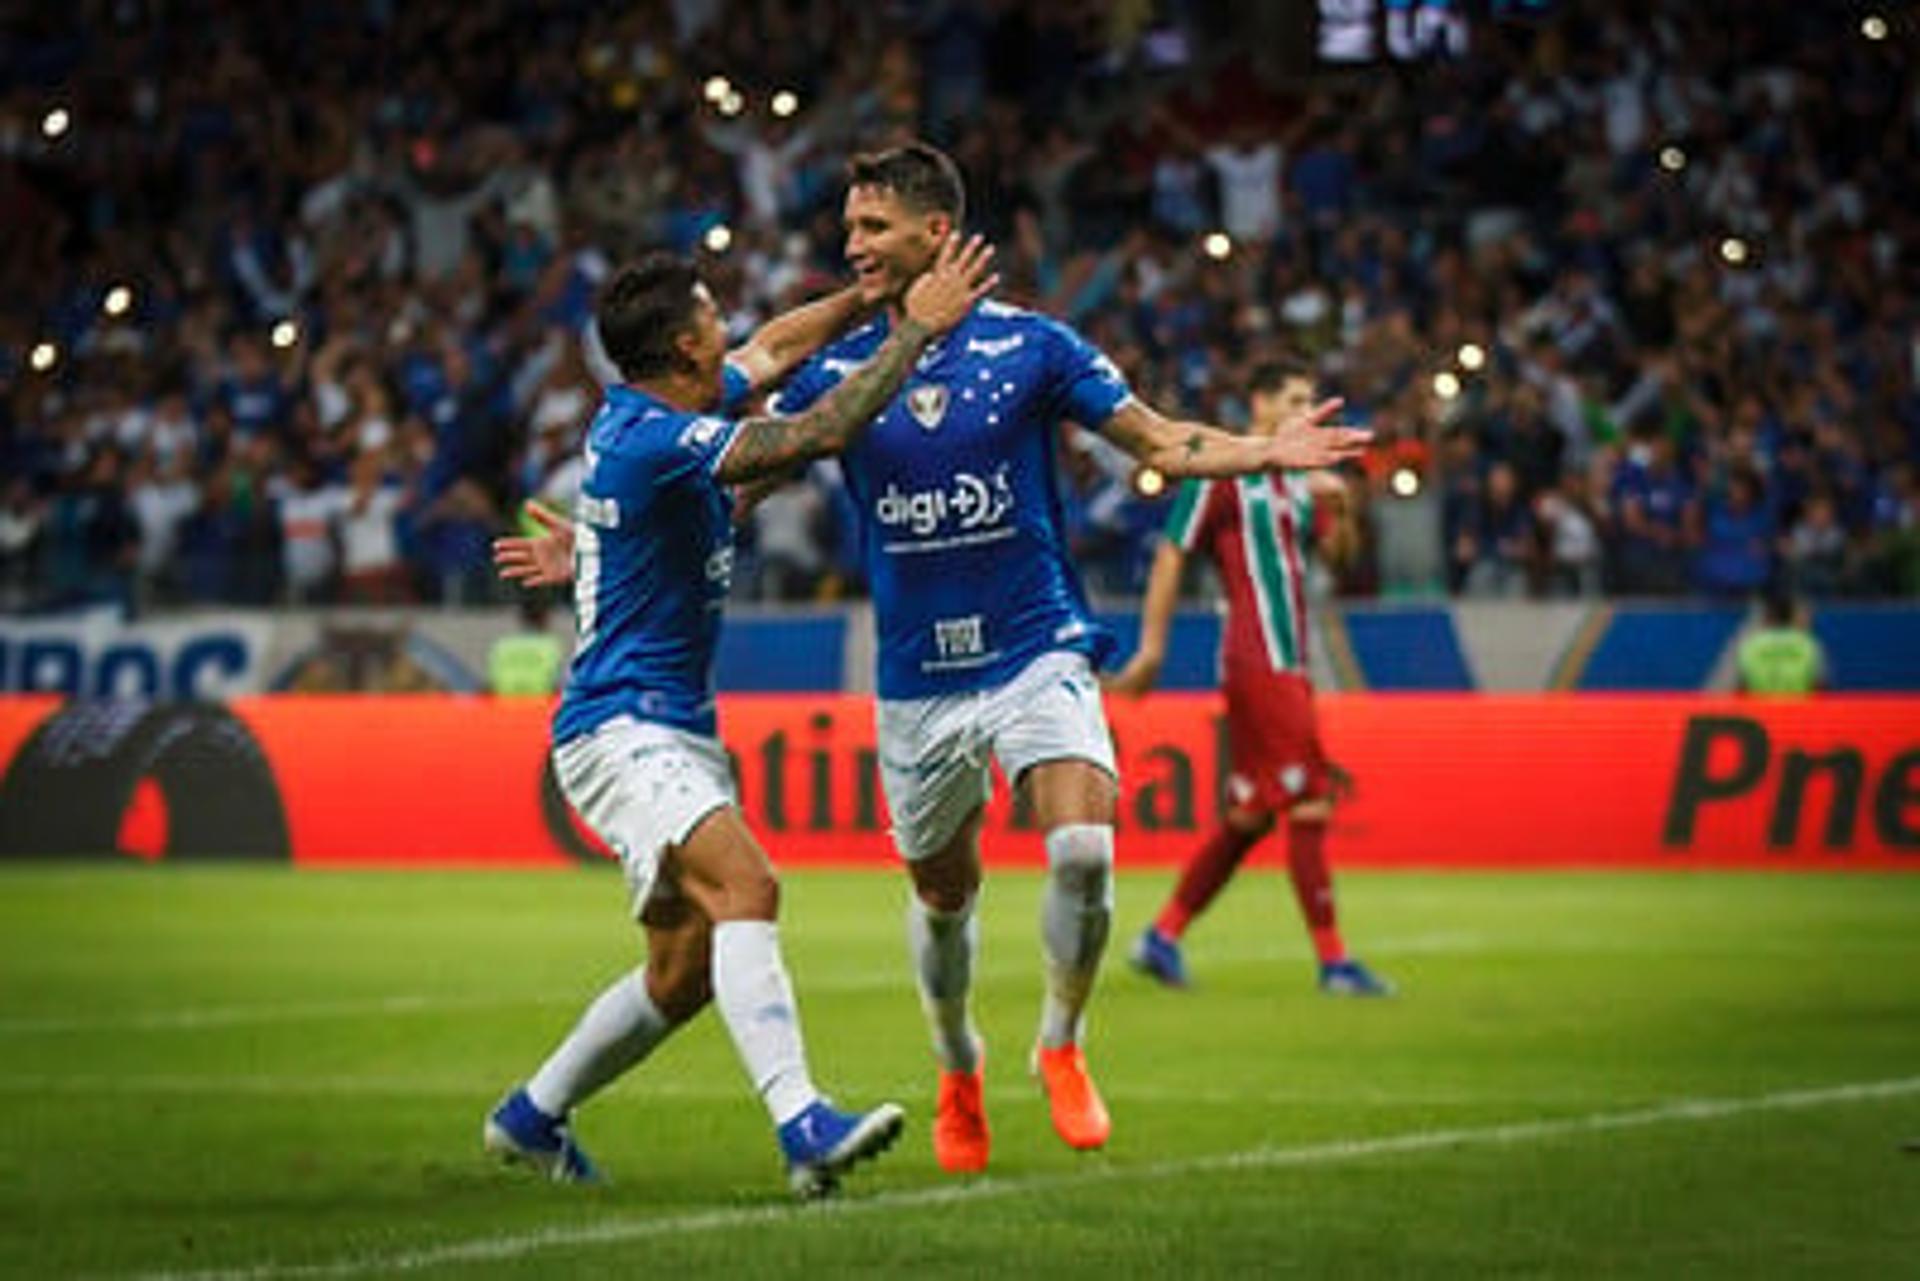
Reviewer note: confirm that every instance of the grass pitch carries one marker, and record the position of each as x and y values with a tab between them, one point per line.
261	1074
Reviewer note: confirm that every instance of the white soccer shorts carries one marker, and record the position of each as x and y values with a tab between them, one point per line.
934	752
643	788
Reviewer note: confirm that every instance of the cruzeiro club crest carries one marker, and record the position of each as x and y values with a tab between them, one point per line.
928	404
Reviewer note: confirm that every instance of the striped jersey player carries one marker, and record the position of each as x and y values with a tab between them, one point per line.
1255	531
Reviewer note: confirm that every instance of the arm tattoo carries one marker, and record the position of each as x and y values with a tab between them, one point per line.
765	446
1195	443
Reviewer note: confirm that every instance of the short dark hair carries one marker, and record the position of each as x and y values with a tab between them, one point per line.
1779	607
1271	375
642	310
923	178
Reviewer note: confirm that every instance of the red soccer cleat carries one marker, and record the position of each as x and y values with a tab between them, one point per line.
1079	1116
960	1138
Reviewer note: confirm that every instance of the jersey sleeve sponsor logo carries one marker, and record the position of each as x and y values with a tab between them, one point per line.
1103	366
701	432
928	404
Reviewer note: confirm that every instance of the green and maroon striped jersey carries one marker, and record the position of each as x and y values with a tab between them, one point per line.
1254	530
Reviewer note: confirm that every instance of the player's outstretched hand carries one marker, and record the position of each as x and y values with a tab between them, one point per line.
541	560
1306	441
1340	784
960	277
1135	680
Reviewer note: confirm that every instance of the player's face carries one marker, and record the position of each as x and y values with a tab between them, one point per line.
705	342
1271	408
888	244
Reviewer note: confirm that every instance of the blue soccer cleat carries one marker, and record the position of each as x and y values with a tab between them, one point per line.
822	1143
1158	957
1352	978
519	1132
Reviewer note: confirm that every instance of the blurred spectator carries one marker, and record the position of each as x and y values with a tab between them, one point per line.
22	515
1498	547
1571	527
92	539
162	495
1737	539
372	570
309	510
1654	504
1816	550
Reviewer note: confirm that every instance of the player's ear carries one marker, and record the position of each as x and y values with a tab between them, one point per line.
685	342
939	226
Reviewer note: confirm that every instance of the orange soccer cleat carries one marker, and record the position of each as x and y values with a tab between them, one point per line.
960	1138
1079	1116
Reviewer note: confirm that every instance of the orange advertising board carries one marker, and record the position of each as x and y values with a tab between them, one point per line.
1442	781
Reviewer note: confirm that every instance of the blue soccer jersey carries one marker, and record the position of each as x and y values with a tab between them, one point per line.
957	499
652	558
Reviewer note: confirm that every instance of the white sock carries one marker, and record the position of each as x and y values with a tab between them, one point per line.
618	1030
1076	912
943	944
755	998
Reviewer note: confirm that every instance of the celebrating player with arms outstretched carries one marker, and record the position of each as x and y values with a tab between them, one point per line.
634	739
1254	531
986	644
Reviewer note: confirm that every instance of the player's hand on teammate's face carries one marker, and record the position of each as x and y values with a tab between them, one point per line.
959	277
543	560
1305	441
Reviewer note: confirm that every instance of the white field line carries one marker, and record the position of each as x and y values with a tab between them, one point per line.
510	1246
261	1014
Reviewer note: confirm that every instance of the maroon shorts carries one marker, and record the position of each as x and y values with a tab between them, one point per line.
1274	740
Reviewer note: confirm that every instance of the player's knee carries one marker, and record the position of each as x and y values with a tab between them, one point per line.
745	893
947	882
1315	809
1250	823
1080	856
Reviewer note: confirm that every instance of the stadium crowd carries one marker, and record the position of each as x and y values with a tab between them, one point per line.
295	300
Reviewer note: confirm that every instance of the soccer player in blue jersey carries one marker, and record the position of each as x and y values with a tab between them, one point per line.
634	738
986	643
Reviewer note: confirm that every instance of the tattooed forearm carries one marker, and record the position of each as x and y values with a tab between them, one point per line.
1206	451
767	446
